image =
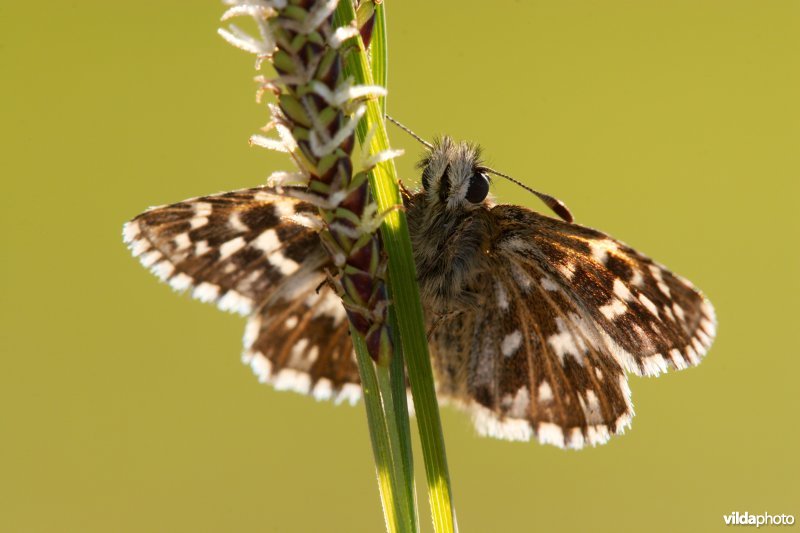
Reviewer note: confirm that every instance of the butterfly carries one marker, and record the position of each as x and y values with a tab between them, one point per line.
534	322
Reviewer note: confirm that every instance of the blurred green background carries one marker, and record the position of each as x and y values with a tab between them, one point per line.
671	125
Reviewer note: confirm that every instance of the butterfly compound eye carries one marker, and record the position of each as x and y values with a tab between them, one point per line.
478	188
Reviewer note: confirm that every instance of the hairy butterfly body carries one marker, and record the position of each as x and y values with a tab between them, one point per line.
533	321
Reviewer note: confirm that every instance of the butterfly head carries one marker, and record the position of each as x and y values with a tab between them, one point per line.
453	175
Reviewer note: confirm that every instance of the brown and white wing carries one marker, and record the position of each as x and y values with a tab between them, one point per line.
651	319
567	311
300	341
252	252
535	368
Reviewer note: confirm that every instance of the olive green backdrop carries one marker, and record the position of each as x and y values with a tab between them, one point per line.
123	407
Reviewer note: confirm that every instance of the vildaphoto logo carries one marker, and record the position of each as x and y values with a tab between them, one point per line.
764	519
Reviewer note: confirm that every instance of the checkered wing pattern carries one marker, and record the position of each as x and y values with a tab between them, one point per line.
567	311
257	253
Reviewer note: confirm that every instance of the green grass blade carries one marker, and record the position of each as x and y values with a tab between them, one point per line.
379	53
393	495
379	63
406	299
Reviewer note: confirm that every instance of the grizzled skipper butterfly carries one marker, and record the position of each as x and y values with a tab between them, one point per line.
533	321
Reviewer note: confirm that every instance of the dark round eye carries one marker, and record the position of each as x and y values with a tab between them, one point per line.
478	188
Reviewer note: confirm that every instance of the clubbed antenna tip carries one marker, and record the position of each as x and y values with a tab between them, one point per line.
556	205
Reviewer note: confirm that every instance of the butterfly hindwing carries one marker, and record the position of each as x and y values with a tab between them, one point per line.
534	366
247	251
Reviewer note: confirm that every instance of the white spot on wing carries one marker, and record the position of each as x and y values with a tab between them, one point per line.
548	284
502	296
648	304
163	269
297	358
597	434
601	249
693	355
350	393
704	339
150	258
283	263
323	390
130	231
180	282
182	241
567	270
677	359
267	242
511	343
565	343
709	327
520	403
231	247
235	222
514	244
251	331
614	309
293	380
657	275
198	222
545	392
262	367
654	365
138	247
202	209
206	292
488	424
201	247
264	196
521	277
621	290
328	305
575	439
591	408
236	302
549	433
284	208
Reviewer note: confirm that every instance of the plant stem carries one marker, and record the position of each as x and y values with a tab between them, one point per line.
405	292
398	509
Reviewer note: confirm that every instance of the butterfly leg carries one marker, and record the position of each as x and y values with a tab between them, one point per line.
439	320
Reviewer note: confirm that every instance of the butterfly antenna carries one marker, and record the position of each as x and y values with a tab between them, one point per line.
406	129
555	204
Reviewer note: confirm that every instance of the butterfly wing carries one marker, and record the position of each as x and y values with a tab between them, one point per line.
651	319
300	340
248	252
565	310
523	376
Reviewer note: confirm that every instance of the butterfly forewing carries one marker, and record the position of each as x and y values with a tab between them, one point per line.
650	318
246	251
